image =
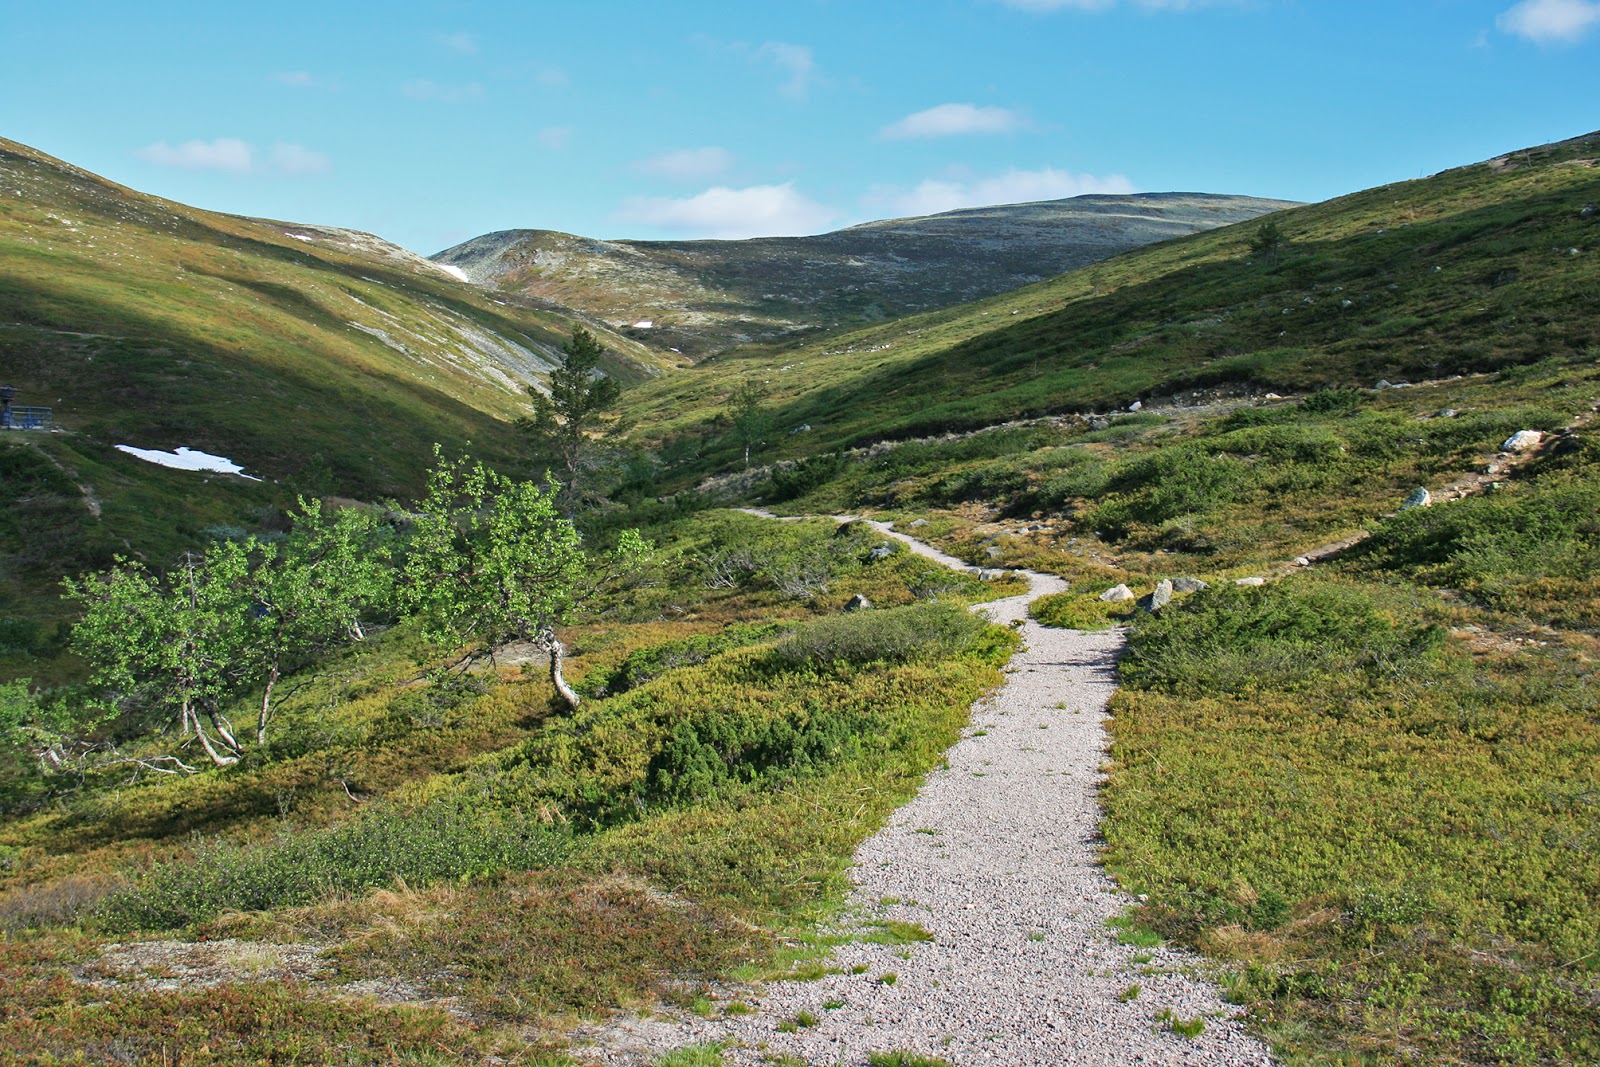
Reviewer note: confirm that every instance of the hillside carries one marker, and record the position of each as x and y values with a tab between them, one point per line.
1471	269
316	359
703	297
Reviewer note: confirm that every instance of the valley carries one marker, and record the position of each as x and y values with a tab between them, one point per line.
1349	766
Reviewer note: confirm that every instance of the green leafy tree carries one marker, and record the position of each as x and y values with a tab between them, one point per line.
1268	243
309	594
752	420
174	644
491	560
576	410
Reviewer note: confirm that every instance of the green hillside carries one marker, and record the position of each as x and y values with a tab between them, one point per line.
318	360
1469	270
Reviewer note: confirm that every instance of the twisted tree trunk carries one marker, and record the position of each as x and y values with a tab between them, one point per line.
558	652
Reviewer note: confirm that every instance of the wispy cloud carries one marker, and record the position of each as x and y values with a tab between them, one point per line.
460	43
299	79
796	61
950	120
934	195
755	211
555	138
424	89
1550	21
235	156
296	160
687	164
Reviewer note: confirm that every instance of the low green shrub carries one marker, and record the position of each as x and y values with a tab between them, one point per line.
1078	611
1280	636
894	635
443	841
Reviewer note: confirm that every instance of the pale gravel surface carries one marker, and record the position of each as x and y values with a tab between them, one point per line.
997	857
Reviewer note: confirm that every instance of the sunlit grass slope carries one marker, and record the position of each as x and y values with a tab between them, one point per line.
1468	270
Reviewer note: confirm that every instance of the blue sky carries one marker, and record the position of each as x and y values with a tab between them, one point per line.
432	122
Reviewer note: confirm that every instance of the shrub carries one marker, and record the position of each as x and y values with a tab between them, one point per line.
895	635
446	840
1280	636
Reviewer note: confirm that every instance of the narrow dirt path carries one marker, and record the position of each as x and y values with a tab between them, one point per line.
997	859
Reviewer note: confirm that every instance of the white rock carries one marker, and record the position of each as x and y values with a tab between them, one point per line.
1522	441
1249	581
1117	594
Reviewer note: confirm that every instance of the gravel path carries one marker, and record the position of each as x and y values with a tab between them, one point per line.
997	858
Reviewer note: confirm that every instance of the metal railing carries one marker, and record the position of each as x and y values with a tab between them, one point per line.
24	417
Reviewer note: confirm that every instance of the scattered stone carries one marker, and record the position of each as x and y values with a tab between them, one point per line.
1384	383
1136	405
806	428
1162	595
995	551
917	524
1272	396
1522	441
1117	594
1588	211
1448	413
1419	498
1250	581
858	603
1347	303
881	551
1187	585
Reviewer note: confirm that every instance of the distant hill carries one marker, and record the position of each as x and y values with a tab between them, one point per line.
703	297
1473	269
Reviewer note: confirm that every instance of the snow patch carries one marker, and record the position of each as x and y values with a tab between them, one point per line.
300	237
644	324
187	459
454	271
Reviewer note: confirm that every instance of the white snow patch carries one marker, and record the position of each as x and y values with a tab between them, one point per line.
187	459
454	271
644	324
300	237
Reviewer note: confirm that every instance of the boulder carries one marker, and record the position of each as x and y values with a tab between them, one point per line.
858	603
1384	383
1136	405
1522	441
1117	594
1419	498
881	551
917	524
994	551
1187	585
1161	597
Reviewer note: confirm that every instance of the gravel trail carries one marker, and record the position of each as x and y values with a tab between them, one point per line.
996	858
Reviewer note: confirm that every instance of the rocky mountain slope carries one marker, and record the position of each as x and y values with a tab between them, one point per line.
702	297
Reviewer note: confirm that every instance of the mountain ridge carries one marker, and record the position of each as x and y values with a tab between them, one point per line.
704	297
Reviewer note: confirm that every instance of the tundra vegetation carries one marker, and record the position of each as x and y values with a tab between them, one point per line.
1366	787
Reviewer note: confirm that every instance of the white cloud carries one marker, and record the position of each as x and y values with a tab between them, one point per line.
795	60
555	138
237	156
224	153
1013	187
462	43
949	120
756	211
687	164
423	89
296	160
552	78
1550	21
